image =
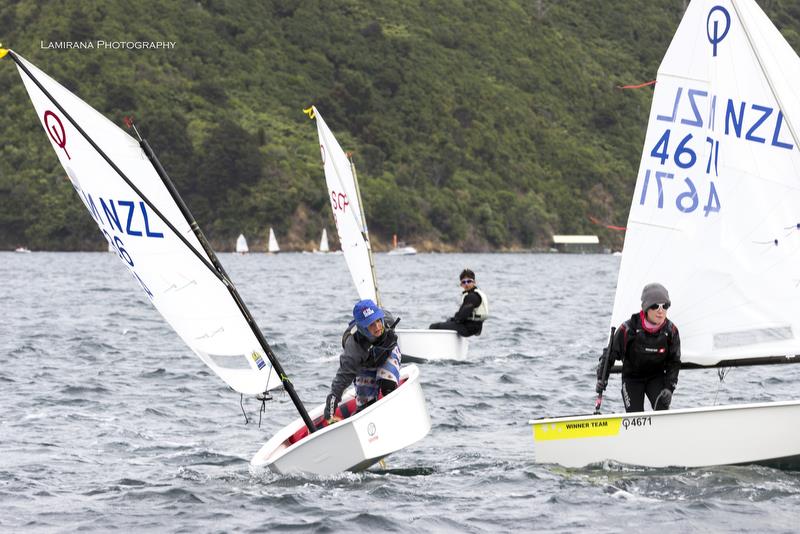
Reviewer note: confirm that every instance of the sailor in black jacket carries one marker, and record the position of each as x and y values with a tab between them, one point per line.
649	346
474	309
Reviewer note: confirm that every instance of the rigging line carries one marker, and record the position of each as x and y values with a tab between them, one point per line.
639	86
256	331
262	411
241	405
366	230
122	175
721	372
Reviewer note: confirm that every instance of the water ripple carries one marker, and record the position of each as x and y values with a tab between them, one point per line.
109	422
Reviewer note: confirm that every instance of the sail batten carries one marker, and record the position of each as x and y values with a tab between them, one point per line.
124	193
717	198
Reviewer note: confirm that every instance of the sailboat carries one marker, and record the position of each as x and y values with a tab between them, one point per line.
714	218
348	213
272	243
136	206
241	245
323	241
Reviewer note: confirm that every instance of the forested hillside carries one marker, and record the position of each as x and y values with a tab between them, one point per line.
475	125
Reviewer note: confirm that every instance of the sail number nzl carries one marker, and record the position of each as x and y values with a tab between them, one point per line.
633	422
684	158
134	224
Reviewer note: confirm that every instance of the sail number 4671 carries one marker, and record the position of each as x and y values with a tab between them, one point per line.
633	422
684	157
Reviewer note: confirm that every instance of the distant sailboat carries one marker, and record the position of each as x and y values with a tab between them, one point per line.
273	243
241	245
323	241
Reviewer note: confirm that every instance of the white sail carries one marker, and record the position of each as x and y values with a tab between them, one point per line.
323	241
241	244
272	246
346	211
715	215
185	291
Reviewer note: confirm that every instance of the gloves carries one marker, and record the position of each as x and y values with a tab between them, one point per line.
390	338
663	400
331	403
379	352
601	386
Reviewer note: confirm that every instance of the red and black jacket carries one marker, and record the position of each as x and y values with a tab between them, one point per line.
644	353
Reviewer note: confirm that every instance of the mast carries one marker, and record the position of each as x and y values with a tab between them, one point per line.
287	384
216	268
365	231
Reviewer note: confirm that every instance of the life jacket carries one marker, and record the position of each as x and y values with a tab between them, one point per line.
481	313
646	353
375	353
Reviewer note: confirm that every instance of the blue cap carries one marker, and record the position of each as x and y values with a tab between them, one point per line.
366	312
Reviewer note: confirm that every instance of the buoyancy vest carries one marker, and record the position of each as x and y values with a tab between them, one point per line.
375	352
481	313
646	352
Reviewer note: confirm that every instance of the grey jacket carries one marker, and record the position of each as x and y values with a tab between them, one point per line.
360	354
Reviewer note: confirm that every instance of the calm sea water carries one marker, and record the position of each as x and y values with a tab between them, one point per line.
108	422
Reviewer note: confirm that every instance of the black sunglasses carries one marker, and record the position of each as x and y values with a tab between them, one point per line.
664	306
467	281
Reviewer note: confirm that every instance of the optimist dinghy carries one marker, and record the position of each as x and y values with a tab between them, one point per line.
417	345
355	443
715	217
140	213
272	243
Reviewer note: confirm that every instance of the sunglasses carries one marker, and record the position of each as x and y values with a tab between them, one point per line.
664	306
466	281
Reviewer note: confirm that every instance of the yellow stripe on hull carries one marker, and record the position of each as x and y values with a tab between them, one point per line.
590	428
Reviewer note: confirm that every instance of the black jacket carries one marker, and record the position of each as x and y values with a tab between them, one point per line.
644	354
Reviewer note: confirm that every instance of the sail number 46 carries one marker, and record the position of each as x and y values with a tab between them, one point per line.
685	158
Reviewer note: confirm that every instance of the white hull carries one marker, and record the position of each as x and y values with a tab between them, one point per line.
419	345
402	251
695	437
357	442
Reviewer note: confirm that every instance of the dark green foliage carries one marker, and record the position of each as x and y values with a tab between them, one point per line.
474	125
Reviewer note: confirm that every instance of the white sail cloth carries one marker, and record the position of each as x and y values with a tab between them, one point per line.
715	215
272	242
346	211
189	295
241	244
